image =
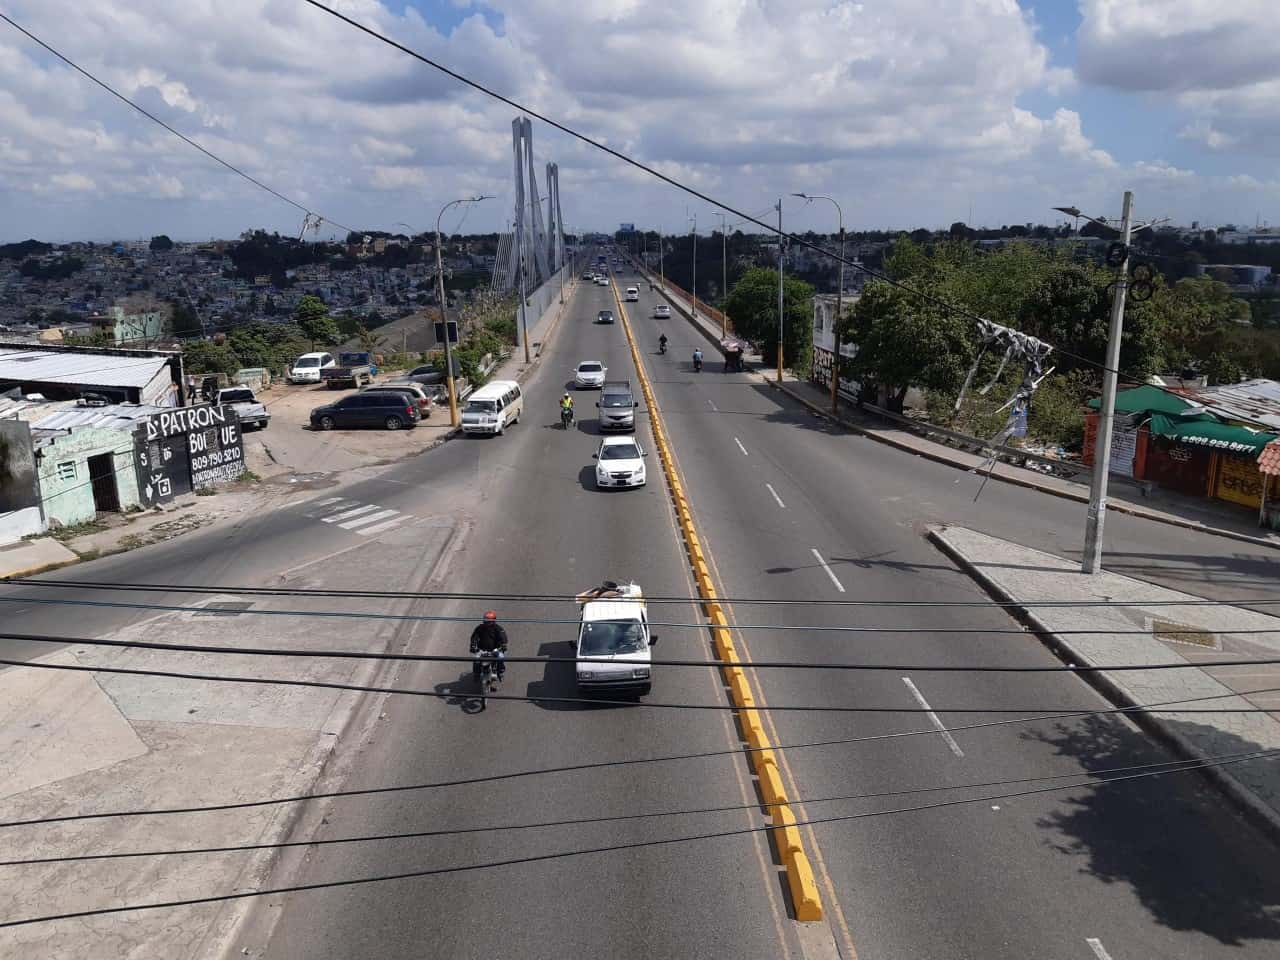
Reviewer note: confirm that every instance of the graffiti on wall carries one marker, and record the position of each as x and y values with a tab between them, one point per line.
186	449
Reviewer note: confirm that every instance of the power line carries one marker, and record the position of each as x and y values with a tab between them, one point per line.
581	767
604	659
152	117
566	621
627	704
567	596
1096	777
671	181
613	848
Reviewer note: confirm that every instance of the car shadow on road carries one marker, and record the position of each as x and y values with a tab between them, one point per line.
587	478
560	680
1175	841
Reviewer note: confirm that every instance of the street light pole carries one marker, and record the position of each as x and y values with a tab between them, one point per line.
780	329
724	277
444	313
1096	517
693	236
835	327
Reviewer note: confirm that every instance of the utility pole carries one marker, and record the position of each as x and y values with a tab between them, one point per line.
693	237
724	277
444	312
780	331
662	263
835	327
1096	517
524	319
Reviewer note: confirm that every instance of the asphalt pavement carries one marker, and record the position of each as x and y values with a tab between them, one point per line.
791	510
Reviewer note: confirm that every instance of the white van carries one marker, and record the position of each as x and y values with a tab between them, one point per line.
633	293
306	369
493	407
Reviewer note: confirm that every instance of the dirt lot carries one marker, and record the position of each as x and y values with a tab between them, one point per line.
289	445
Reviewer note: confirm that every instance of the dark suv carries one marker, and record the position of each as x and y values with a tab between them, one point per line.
604	316
388	409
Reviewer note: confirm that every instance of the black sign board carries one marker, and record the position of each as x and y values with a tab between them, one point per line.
453	331
185	449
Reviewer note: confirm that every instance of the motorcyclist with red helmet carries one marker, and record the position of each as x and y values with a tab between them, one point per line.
488	636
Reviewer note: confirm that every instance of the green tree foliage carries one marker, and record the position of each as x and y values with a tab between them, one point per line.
98	338
753	304
902	343
312	318
204	356
183	320
369	341
267	345
161	242
53	270
24	249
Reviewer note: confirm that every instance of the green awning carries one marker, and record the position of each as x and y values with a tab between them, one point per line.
1205	431
1146	399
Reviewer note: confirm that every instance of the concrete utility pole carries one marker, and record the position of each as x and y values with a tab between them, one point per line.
444	312
835	328
662	263
780	329
1097	514
524	318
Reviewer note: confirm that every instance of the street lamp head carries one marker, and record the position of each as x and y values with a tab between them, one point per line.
802	196
483	196
1070	211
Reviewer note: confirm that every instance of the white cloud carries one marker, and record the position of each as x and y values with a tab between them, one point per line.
74	182
911	110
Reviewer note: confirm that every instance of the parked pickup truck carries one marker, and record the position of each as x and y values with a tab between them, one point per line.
352	370
246	405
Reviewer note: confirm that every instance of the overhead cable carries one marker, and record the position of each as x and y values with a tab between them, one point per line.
311	653
181	136
612	848
616	703
564	621
1092	778
491	598
930	731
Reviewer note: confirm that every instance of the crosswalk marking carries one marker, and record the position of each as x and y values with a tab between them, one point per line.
368	518
348	514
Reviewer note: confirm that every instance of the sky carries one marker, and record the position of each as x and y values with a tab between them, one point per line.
908	113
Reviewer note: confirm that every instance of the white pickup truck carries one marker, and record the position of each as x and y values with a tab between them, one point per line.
614	643
246	405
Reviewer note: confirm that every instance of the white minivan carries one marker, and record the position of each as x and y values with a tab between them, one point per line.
493	407
633	293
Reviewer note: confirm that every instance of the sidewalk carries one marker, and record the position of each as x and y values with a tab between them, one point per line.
28	557
1167	634
1204	516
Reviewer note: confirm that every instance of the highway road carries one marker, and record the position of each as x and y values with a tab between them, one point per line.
789	511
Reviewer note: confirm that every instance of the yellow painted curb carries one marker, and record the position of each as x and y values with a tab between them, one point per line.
804	891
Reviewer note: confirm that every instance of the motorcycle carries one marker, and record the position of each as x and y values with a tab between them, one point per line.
566	417
486	672
662	346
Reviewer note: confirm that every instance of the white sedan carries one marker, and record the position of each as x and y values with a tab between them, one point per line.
620	463
602	281
662	312
589	374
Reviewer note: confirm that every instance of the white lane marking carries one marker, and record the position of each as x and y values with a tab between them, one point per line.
368	519
712	406
775	496
839	585
384	525
328	500
933	718
348	514
1098	949
740	446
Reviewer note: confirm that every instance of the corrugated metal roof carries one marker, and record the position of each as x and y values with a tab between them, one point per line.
1253	401
47	415
82	369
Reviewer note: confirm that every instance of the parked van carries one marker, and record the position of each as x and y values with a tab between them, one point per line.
493	407
633	293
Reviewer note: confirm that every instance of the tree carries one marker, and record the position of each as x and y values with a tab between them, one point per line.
161	242
97	338
369	341
312	318
183	320
753	305
960	231
203	356
903	342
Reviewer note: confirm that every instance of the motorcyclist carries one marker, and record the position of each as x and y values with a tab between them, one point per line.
488	636
566	407
697	359
662	343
